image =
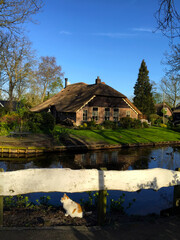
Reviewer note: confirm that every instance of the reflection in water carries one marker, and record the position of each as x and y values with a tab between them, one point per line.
147	201
121	159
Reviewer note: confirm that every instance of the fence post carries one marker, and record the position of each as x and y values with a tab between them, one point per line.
102	202
1	205
176	198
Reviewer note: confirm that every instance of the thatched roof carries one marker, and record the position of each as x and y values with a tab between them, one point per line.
160	106
75	96
177	109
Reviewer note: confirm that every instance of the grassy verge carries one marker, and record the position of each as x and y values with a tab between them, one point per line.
124	136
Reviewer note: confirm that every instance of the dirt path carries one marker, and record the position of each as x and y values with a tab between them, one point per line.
35	140
54	225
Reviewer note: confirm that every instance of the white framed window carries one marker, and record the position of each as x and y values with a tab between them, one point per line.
128	113
107	114
95	114
84	115
116	114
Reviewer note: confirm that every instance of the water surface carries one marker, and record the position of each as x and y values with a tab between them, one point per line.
147	201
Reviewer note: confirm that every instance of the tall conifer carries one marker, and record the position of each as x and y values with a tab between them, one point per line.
143	99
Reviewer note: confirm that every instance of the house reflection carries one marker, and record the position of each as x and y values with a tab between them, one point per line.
112	160
116	159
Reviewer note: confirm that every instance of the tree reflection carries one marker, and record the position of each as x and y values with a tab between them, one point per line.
116	159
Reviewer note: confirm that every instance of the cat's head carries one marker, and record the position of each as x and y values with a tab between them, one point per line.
64	198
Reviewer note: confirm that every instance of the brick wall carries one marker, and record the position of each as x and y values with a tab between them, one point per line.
101	114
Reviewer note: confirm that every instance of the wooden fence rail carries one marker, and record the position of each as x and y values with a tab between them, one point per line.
67	180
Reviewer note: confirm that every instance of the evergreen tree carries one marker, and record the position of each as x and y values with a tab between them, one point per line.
143	99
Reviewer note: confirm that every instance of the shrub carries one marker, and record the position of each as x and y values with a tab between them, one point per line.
158	121
170	122
118	205
108	124
38	122
145	125
12	120
60	135
34	121
155	119
136	123
4	130
48	122
68	122
2	111
163	125
125	122
91	123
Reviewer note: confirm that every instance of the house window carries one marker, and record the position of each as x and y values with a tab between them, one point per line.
128	113
116	114
84	115
107	114
93	158
105	157
83	158
95	114
114	156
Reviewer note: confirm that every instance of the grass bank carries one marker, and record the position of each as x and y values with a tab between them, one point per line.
122	136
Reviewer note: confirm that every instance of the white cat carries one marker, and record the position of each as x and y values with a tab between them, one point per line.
72	208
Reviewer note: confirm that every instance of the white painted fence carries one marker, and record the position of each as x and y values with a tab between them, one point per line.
67	180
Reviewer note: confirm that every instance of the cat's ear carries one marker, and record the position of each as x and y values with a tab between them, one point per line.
66	196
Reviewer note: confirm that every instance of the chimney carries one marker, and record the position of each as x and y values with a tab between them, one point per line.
98	80
66	82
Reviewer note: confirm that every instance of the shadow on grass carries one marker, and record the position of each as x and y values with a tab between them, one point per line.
129	138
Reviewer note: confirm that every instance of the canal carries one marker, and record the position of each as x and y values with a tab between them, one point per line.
147	201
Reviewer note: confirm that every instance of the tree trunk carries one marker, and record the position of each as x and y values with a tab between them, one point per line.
10	105
44	93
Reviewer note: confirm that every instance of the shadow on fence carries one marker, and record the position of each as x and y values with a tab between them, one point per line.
101	186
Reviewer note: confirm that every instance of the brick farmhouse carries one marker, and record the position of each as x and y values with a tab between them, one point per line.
83	102
160	107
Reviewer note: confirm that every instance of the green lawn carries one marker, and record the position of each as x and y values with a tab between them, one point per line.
122	136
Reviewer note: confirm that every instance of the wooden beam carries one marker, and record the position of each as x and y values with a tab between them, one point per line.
67	180
1	205
102	201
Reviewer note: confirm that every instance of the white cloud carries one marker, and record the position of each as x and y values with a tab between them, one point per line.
142	29
115	35
65	33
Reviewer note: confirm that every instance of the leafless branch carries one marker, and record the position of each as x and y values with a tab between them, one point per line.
168	18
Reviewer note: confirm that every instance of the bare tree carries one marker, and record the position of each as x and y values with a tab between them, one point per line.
171	87
24	79
32	96
49	75
15	64
168	18
14	13
173	60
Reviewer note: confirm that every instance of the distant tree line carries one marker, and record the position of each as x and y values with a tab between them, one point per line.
22	75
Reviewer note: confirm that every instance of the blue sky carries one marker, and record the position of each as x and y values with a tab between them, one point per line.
106	38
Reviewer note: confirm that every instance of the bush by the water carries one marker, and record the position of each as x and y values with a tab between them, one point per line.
128	122
38	122
24	120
